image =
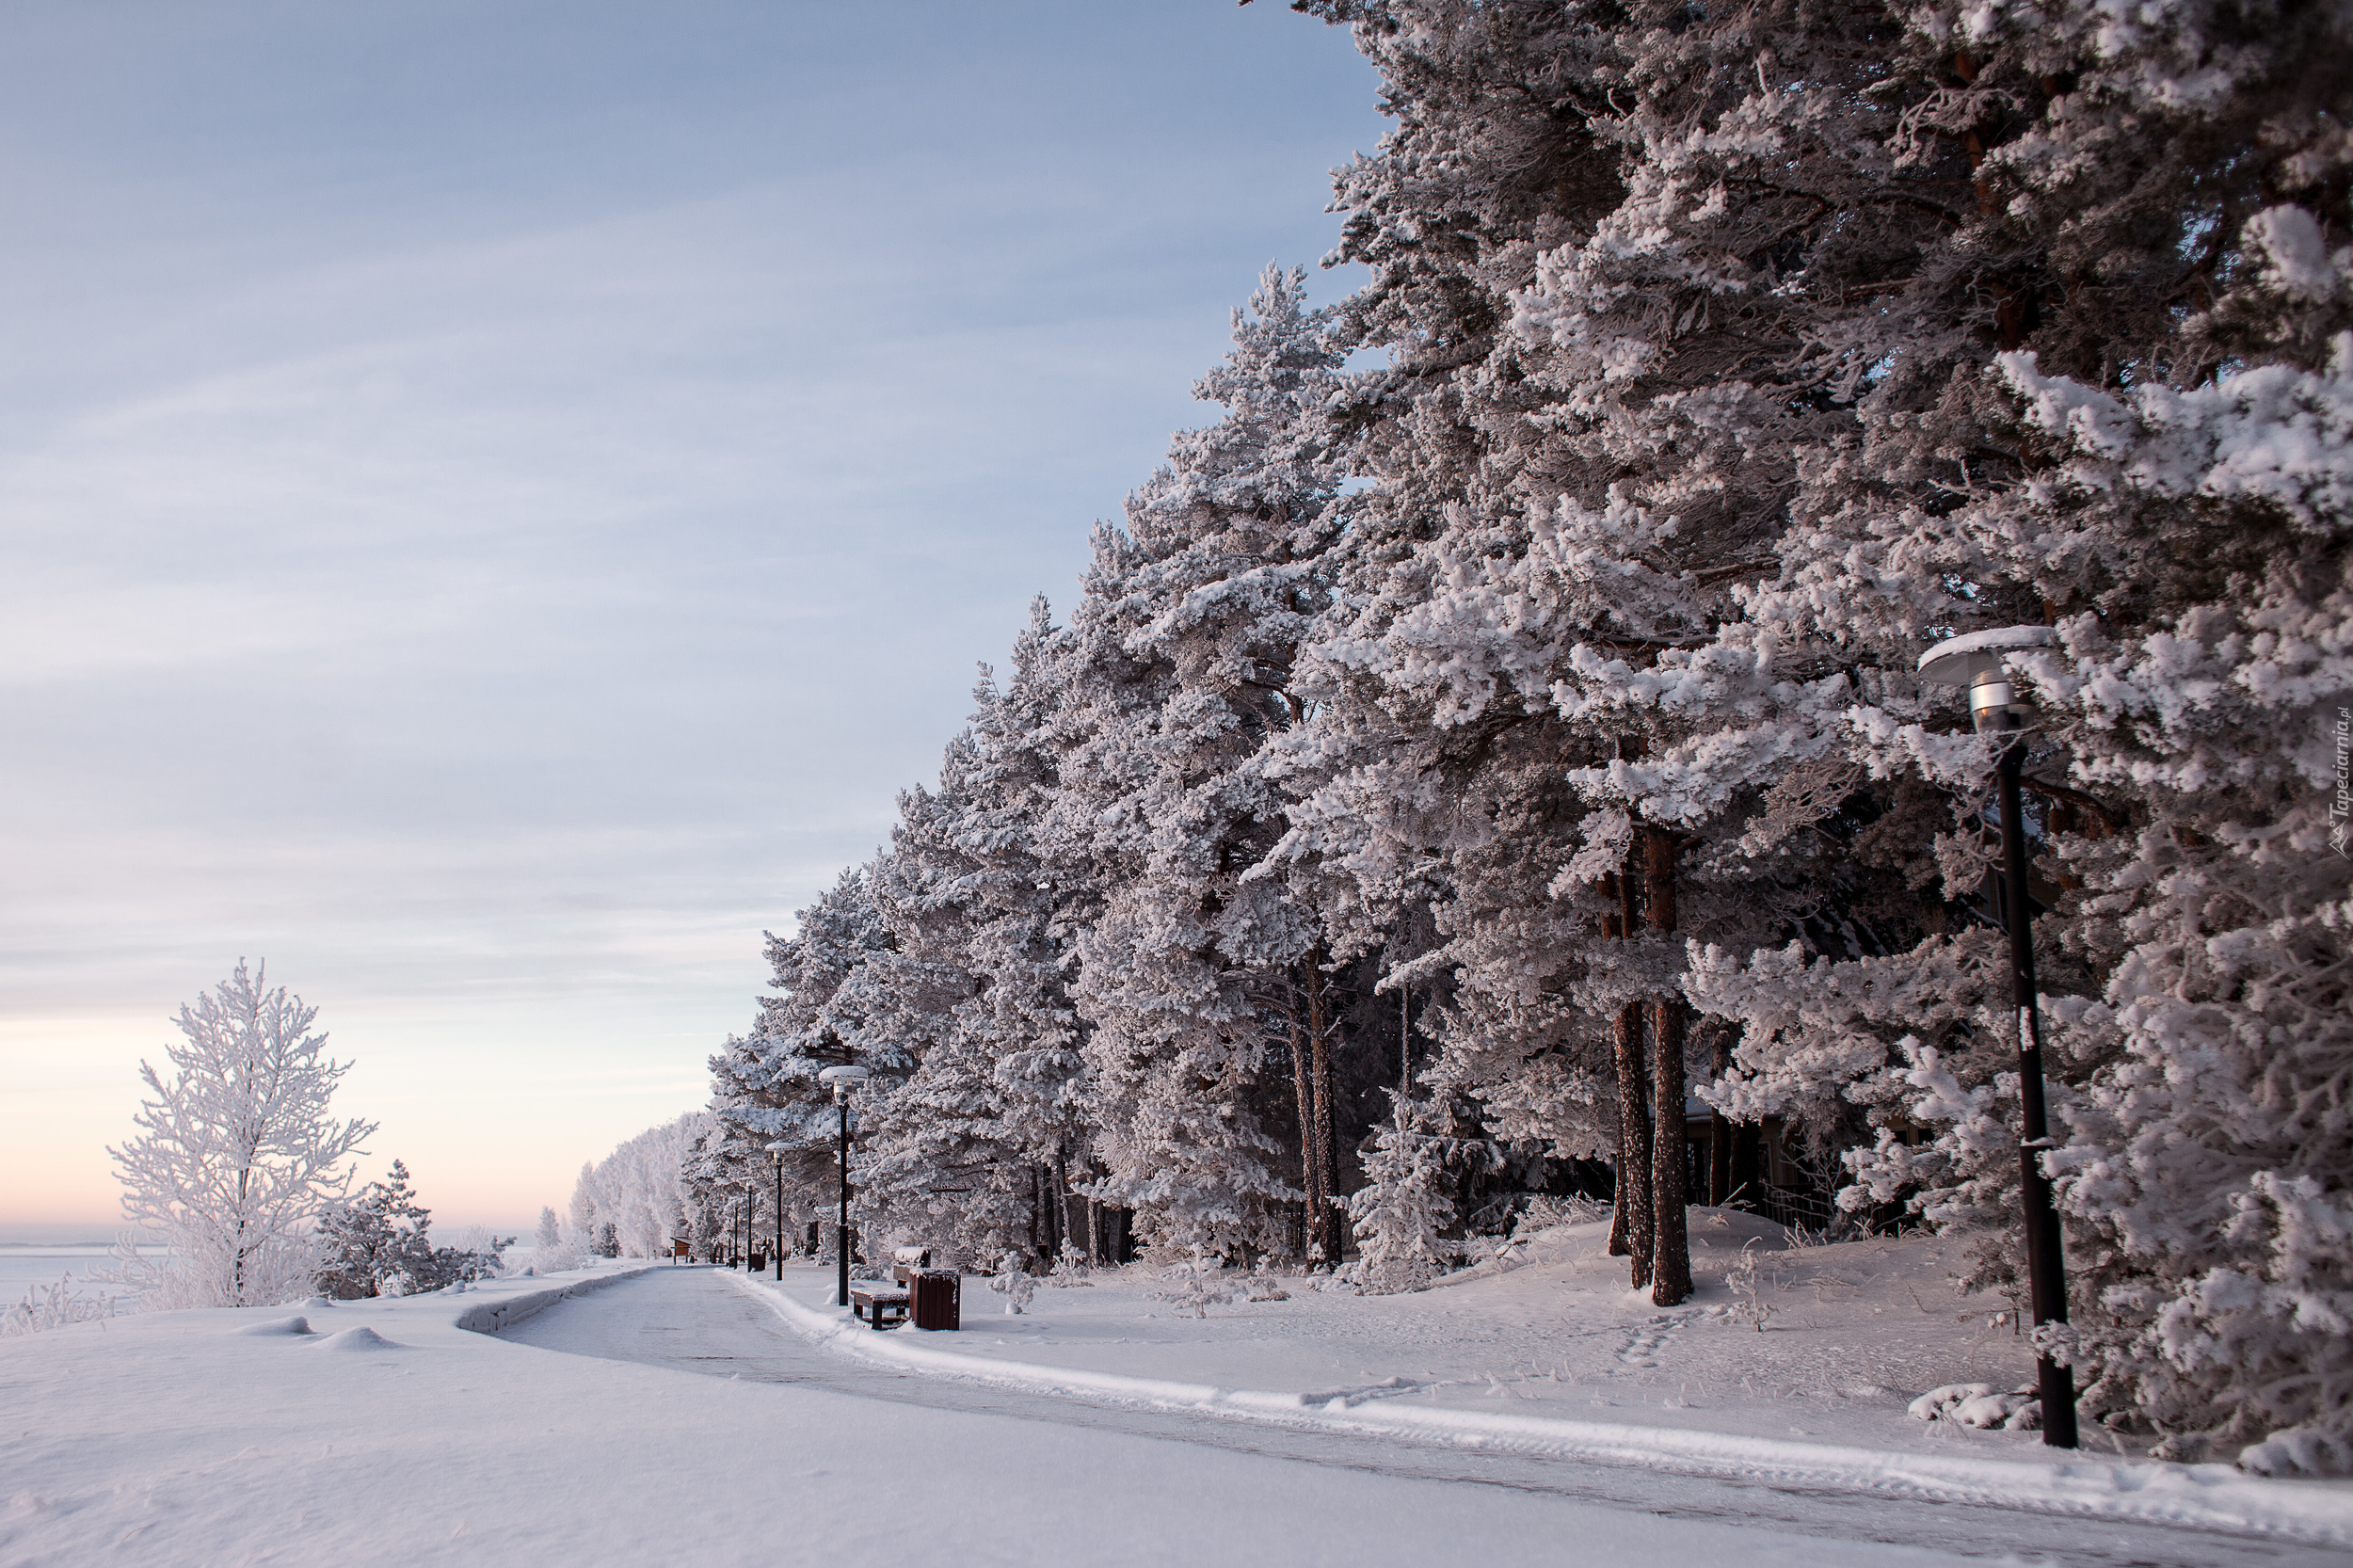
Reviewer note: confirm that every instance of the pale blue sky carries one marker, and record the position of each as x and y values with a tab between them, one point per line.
497	497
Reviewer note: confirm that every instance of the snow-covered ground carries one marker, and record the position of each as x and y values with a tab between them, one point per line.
1853	1333
1544	1349
388	1433
402	1432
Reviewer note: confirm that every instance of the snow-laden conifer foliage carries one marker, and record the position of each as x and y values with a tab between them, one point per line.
381	1244
237	1158
1559	670
1408	1198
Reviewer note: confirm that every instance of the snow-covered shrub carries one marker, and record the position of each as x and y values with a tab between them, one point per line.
1406	1201
1745	1280
1264	1288
1545	1210
55	1305
380	1244
1980	1405
1013	1281
1194	1286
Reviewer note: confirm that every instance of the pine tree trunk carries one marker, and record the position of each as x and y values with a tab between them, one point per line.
1630	1230
1310	1168
1629	1216
1058	1178
1671	1269
1327	1154
1719	1127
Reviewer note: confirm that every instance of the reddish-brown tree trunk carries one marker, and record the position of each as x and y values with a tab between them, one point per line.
1670	1267
1630	1216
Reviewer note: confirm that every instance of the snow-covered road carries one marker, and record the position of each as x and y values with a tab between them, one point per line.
696	1320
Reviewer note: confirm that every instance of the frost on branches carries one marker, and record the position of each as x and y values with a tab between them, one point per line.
237	1159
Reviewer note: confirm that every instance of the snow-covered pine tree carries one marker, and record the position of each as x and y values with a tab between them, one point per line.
1616	465
1407	1199
582	1210
764	1083
2130	315
237	1156
1174	678
380	1244
1022	937
938	1160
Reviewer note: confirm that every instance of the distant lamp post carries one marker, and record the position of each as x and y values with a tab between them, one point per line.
780	1149
843	1080
1975	662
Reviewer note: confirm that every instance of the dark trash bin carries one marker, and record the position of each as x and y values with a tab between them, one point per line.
760	1261
938	1298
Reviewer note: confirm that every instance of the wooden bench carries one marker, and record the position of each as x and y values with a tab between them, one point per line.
878	1305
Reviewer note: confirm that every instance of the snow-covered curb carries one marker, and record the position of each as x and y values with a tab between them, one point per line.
489	1317
2204	1497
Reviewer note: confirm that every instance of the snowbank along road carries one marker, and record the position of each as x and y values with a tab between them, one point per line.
697	1321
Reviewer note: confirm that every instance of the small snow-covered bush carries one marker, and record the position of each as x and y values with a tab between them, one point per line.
1545	1210
1015	1284
1194	1286
1405	1201
51	1307
1747	1285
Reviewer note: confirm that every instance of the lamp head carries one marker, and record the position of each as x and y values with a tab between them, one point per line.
780	1149
842	1080
1976	661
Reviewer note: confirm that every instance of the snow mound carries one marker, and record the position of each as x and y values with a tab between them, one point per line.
360	1338
1976	1404
282	1325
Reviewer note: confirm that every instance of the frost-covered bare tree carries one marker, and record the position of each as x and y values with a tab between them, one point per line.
237	1156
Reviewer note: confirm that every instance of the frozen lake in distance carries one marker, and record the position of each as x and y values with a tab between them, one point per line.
23	1266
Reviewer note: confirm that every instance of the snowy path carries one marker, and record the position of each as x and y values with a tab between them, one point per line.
696	1320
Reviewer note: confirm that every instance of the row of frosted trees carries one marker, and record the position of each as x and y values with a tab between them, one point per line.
1530	700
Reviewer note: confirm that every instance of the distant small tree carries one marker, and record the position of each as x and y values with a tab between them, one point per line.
551	1236
237	1158
609	1244
381	1245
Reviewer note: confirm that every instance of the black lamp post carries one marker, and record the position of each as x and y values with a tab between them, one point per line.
778	1148
1975	662
842	1080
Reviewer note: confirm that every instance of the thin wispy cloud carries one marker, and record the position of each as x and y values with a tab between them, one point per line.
497	499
